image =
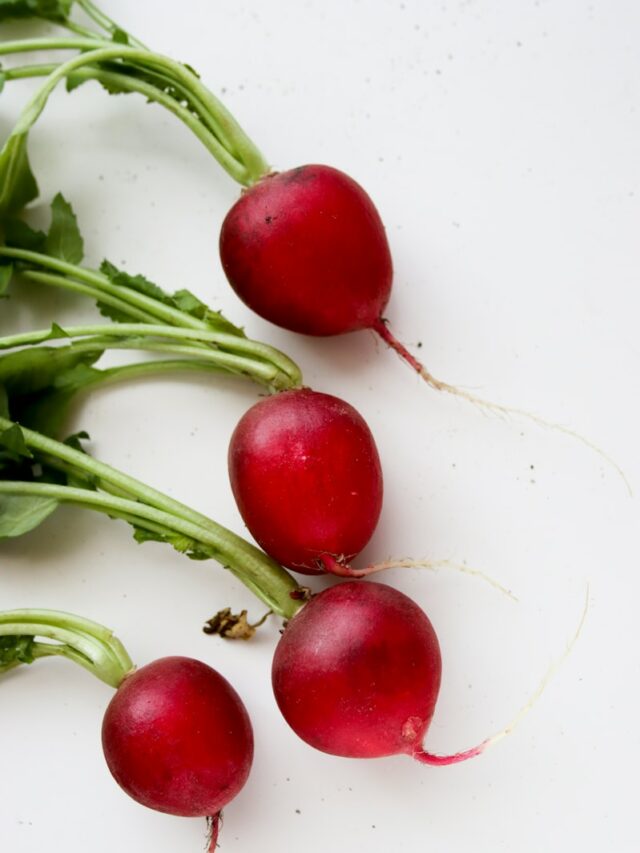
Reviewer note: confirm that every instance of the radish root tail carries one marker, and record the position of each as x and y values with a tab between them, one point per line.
381	328
443	760
341	569
214	823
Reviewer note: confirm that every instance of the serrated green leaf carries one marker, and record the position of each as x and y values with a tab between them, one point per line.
21	513
184	544
19	235
13	440
6	274
64	240
17	184
182	300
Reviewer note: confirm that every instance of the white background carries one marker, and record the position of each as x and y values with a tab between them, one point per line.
500	142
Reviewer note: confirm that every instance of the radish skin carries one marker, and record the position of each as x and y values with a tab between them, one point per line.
177	738
306	476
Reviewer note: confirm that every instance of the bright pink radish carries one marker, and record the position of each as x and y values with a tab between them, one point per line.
177	738
357	673
306	476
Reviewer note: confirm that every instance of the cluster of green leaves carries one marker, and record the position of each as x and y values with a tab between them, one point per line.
57	11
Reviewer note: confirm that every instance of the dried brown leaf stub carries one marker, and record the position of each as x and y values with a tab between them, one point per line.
233	626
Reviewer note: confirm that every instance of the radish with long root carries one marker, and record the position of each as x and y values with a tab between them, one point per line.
306	476
357	674
176	736
304	248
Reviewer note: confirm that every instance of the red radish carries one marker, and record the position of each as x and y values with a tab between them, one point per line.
306	249
177	738
357	673
306	476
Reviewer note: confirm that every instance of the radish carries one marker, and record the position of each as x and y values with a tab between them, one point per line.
306	249
306	476
176	735
357	673
177	738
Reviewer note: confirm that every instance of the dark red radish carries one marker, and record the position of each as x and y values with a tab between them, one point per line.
357	673
177	738
306	476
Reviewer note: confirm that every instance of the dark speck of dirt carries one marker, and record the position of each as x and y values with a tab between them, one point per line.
298	811
268	219
419	344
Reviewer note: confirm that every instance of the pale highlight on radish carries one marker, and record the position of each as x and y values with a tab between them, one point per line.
443	760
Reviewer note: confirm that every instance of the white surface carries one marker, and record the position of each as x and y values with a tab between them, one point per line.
500	142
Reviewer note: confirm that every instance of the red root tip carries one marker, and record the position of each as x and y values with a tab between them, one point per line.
444	760
214	823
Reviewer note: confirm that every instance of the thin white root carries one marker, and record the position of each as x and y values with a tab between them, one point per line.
496	408
435	565
555	666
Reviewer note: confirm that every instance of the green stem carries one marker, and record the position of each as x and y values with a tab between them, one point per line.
265	374
266	579
86	290
203	125
53	43
104	21
124	372
73	27
87	643
250	166
99	281
261	355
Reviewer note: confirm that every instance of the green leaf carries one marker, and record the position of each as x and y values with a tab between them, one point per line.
13	440
75	440
50	10
6	274
16	649
19	235
41	383
64	240
182	300
184	544
17	184
57	332
21	513
4	403
120	36
35	369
